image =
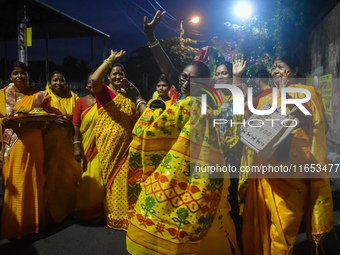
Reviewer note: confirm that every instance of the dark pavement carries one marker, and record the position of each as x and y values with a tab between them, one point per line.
89	237
70	237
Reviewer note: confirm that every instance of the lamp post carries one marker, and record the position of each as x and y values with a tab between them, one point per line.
22	25
181	29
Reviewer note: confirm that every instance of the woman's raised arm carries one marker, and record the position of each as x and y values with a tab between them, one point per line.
101	71
162	59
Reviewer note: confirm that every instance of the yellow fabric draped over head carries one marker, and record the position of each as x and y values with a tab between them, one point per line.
62	105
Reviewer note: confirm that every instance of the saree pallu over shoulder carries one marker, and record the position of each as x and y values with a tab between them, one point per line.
91	191
10	104
87	128
178	205
62	105
113	136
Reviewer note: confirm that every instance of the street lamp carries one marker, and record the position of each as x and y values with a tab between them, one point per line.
243	9
195	20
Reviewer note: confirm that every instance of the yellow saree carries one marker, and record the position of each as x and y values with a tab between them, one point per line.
91	191
274	207
62	171
22	175
177	210
113	136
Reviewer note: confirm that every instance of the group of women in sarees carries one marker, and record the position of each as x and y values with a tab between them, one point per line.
40	176
138	162
177	210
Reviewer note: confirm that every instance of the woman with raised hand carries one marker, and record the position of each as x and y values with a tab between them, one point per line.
62	171
231	73
119	106
176	209
91	191
22	174
275	206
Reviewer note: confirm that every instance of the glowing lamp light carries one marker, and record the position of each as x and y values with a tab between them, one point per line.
195	20
243	10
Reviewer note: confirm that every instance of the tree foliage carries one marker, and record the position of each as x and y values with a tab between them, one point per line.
262	37
179	50
253	39
142	69
294	20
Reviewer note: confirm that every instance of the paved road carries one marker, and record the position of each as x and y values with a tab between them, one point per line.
74	237
71	237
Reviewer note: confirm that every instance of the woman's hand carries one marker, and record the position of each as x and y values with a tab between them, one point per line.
19	128
78	151
131	90
239	66
8	123
149	28
115	55
63	121
285	81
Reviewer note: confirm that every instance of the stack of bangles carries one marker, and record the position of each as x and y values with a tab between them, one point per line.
139	102
153	44
108	62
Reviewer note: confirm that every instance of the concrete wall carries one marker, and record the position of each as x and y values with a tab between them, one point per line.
324	45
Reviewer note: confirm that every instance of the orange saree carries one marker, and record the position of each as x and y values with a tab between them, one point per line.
22	176
63	172
274	207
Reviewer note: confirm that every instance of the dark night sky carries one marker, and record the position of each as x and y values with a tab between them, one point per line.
123	20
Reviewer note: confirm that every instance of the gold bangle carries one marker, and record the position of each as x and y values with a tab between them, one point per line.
139	104
153	44
139	100
108	62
